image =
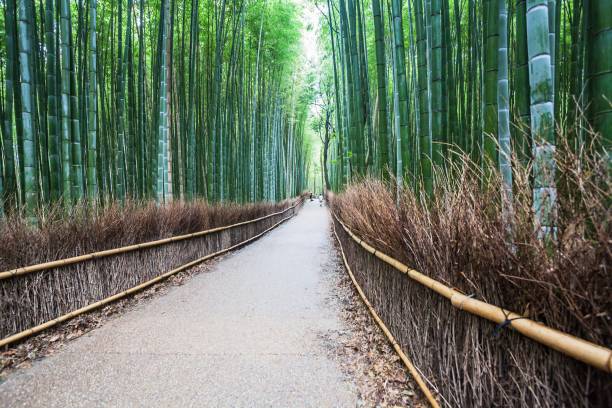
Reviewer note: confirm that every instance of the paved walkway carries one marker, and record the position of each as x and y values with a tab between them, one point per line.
246	334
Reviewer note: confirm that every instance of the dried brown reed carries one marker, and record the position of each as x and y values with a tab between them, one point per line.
459	237
28	300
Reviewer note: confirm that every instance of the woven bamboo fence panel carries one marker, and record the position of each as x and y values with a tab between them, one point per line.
34	298
468	360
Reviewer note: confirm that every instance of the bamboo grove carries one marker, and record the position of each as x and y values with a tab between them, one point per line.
139	99
415	82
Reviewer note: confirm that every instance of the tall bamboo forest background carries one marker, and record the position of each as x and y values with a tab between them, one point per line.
119	100
469	139
416	88
106	100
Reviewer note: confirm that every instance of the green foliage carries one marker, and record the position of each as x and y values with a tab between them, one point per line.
490	79
141	99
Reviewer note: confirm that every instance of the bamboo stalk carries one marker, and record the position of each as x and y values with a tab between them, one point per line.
37	329
115	251
411	368
582	350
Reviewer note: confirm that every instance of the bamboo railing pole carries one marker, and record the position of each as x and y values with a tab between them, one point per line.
37	329
582	350
102	254
411	368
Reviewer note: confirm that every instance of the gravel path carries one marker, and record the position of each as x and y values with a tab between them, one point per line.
248	333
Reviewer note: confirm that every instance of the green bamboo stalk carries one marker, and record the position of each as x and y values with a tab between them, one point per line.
162	121
358	157
347	112
92	106
254	116
542	118
449	99
462	126
503	113
437	83
338	99
129	128
381	78
521	84
77	152
414	140
9	197
65	101
490	85
368	146
424	71
27	137
120	179
39	113
576	75
399	169
142	113
552	35
170	134
191	145
472	90
600	72
402	87
54	135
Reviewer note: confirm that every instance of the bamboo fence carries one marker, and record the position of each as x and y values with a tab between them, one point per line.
48	282
592	354
475	358
116	251
409	365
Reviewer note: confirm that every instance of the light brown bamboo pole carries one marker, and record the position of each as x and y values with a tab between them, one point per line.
37	329
411	368
102	254
582	350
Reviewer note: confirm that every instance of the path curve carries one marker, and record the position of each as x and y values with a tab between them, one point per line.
245	334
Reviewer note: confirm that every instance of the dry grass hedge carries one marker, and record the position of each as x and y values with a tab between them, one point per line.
26	301
459	237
